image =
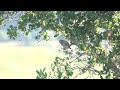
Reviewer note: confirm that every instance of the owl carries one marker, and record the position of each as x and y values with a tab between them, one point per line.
65	44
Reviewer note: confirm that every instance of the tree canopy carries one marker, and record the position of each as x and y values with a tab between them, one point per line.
85	29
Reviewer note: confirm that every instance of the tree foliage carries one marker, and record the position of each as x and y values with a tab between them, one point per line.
85	29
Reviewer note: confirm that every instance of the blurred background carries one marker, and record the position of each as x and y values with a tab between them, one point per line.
21	58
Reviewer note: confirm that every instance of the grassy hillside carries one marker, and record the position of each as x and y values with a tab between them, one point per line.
22	62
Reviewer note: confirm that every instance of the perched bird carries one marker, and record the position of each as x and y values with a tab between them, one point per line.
65	44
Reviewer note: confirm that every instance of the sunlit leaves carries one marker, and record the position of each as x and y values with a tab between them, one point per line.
45	35
21	20
12	32
44	23
89	32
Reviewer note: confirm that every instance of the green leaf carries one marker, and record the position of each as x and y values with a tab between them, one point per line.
21	20
27	33
82	47
44	23
38	77
59	74
38	72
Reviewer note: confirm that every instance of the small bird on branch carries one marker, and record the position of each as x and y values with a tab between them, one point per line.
65	44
